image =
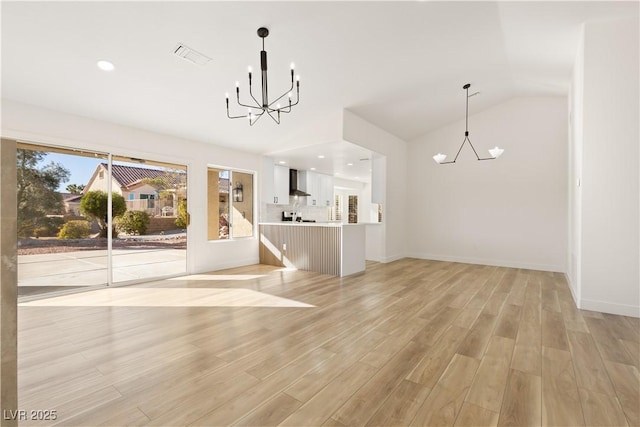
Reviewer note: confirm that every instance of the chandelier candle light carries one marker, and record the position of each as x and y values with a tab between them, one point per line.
494	152
273	108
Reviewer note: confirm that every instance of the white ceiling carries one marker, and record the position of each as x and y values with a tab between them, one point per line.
340	158
399	65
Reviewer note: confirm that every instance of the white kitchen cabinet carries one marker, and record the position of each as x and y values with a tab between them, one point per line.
310	183
275	183
325	197
280	185
319	186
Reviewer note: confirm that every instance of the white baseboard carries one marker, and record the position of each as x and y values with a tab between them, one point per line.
576	300
609	307
483	261
392	258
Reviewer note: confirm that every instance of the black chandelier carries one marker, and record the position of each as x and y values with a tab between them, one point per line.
273	108
494	152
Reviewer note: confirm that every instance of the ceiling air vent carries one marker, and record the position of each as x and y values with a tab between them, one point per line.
185	52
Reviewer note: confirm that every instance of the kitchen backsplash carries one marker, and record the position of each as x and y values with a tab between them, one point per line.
273	213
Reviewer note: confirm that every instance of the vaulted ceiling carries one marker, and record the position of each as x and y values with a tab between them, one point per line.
399	65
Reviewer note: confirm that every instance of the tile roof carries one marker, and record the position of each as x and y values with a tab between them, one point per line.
128	175
68	197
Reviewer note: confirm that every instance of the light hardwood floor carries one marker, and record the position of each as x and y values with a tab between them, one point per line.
412	342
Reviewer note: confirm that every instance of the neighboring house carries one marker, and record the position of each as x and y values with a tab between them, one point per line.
71	203
129	181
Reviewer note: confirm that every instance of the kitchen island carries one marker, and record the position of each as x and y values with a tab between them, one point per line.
328	248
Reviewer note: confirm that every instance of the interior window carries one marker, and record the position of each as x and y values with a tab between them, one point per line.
230	204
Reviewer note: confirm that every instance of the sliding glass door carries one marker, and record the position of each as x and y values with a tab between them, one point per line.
150	237
58	247
68	238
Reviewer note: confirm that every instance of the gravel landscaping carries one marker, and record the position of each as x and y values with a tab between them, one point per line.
33	246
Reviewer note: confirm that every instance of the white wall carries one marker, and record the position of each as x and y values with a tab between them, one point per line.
34	124
609	278
509	212
575	174
391	234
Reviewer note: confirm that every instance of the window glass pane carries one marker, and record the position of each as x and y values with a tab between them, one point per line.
218	204
242	202
353	209
337	211
60	247
150	236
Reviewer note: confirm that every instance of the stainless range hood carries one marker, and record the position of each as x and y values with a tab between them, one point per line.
294	187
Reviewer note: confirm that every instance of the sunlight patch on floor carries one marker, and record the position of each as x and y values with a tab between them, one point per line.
167	297
219	277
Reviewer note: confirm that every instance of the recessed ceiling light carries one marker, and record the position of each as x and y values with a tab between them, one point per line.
105	65
349	164
321	156
357	177
313	169
282	162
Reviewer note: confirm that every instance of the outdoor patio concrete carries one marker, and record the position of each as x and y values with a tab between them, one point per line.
89	267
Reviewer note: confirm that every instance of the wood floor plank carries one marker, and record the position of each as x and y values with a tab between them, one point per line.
332	423
549	297
494	303
573	319
88	400
476	416
560	399
390	346
410	341
522	404
244	403
476	341
365	401
553	331
622	327
112	413
527	359
329	399
508	321
530	326
467	317
610	347
271	413
590	371
626	382
438	357
444	403
601	409
489	383
634	351
401	405
304	387
187	404
436	326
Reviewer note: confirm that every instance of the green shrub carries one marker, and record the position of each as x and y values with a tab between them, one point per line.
133	222
93	205
39	231
75	229
182	219
50	226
